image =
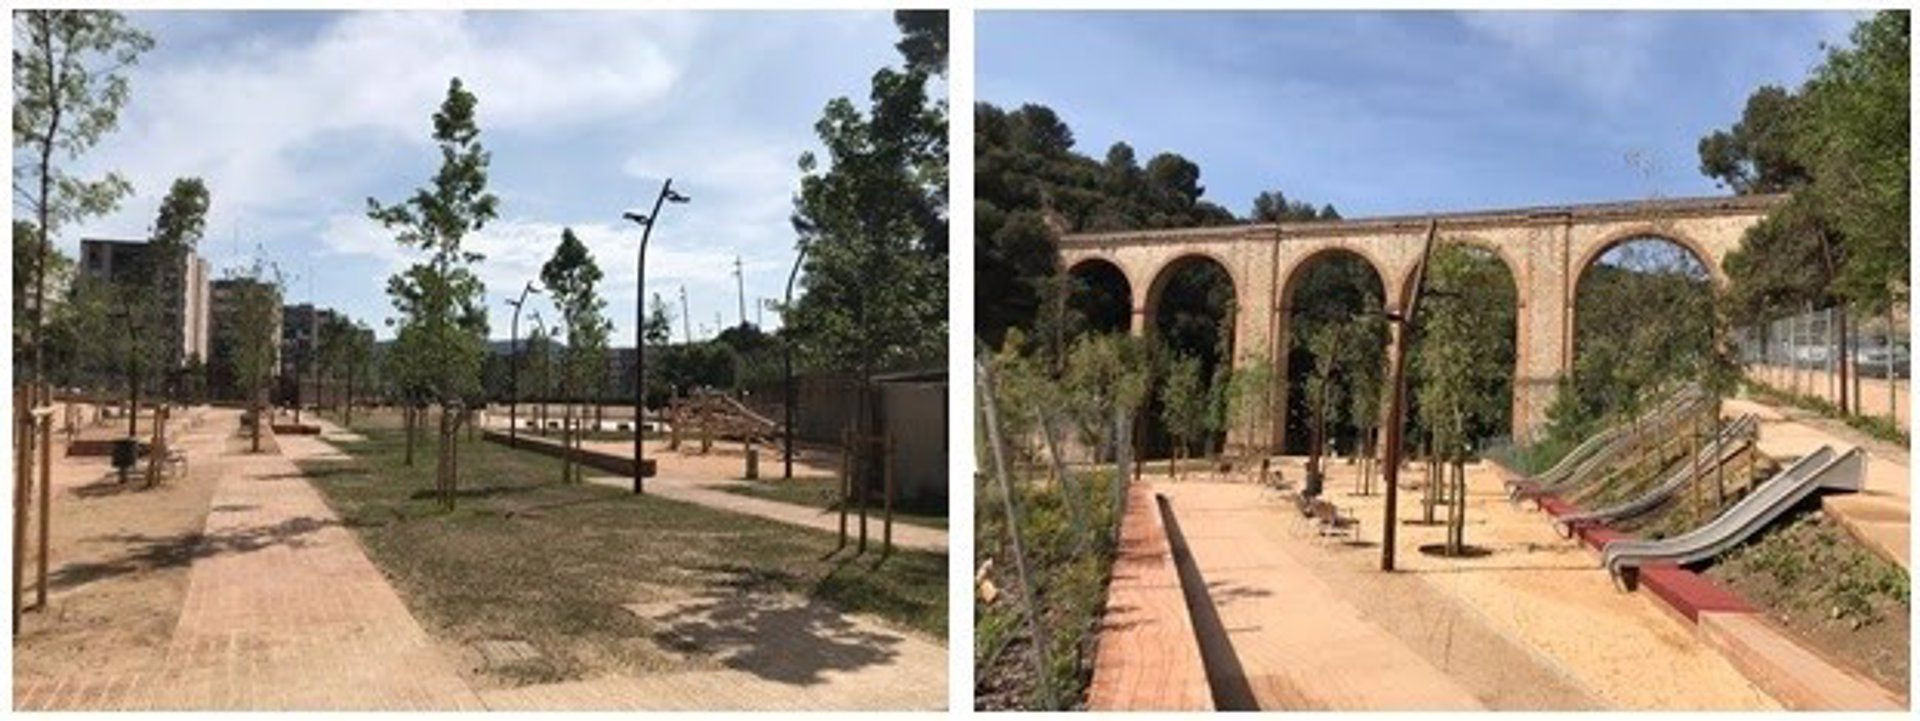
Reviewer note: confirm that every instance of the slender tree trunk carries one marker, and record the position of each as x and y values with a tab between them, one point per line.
407	420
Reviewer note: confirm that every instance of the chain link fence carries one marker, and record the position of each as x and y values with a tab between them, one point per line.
1803	355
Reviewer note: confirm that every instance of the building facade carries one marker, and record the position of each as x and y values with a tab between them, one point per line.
186	317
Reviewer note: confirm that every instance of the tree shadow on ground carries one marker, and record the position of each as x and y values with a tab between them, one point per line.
110	485
151	553
771	634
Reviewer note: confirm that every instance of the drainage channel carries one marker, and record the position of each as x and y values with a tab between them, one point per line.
1225	677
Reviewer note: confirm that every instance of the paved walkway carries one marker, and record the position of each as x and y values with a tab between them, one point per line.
283	611
1148	658
712	495
1534	624
1879	514
1296	644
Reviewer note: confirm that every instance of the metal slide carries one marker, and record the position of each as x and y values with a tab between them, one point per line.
1605	446
1822	469
1734	438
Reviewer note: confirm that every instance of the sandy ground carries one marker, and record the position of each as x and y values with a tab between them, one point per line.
118	558
1876	398
1544	595
726	460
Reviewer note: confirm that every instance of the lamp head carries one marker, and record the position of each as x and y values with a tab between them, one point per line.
674	196
637	218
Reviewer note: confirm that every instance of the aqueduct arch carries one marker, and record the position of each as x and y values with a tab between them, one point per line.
1545	249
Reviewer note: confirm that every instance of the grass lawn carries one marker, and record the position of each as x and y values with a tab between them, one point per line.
825	493
524	557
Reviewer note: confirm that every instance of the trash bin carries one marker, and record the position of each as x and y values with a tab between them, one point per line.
126	453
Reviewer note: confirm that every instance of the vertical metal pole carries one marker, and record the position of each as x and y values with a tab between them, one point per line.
1399	326
1035	626
640	344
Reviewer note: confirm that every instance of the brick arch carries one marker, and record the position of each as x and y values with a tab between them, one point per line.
1523	332
1291	274
1693	246
1163	273
1282	342
1127	293
1716	277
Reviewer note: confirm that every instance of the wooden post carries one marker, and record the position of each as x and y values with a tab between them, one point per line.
46	501
886	460
22	487
860	491
846	482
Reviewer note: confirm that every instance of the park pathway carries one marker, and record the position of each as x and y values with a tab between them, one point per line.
713	494
283	611
1294	644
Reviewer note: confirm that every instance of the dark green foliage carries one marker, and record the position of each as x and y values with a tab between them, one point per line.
872	215
1463	351
923	40
1840	144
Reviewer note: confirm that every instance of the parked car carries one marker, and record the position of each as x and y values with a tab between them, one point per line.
1872	360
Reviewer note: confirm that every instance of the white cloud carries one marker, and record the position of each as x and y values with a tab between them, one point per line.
1602	54
252	118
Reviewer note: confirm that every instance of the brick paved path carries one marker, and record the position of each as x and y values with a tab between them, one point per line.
1148	658
712	495
283	611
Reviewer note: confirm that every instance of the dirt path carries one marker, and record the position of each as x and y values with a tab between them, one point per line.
119	562
1534	624
712	494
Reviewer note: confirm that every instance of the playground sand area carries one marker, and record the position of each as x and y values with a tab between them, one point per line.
1545	594
119	557
726	460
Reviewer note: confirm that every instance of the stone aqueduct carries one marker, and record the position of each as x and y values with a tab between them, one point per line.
1545	251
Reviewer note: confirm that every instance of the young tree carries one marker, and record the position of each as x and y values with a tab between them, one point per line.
68	88
439	299
1462	367
256	351
1323	390
1183	407
876	209
571	276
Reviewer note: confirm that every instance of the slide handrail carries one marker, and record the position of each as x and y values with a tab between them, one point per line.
1733	438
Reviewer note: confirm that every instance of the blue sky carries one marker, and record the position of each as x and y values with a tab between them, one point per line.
295	118
1382	113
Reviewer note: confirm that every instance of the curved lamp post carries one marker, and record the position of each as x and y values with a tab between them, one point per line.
640	326
545	369
513	363
786	352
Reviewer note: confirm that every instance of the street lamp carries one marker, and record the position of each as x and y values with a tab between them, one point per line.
540	326
786	352
513	364
640	327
